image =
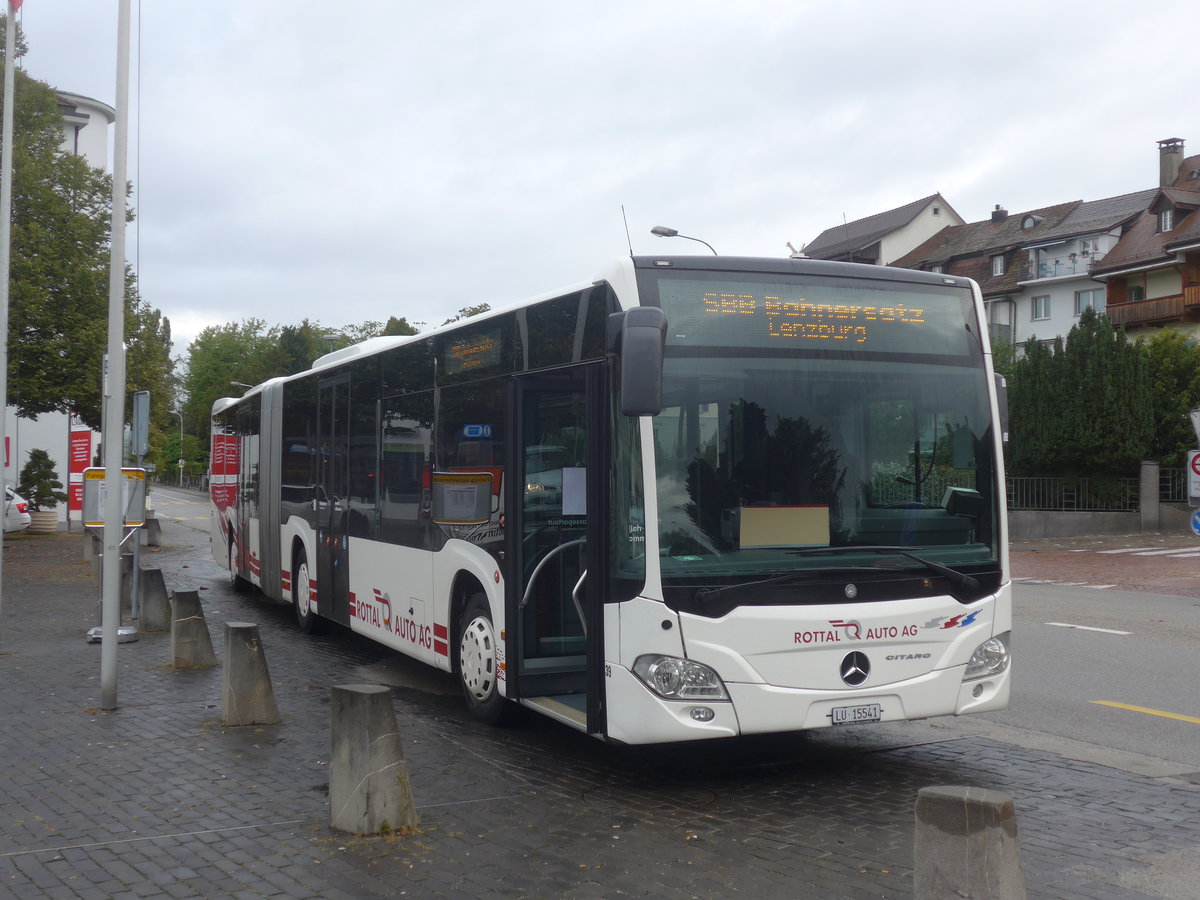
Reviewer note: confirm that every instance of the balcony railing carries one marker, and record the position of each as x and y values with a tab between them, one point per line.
1144	312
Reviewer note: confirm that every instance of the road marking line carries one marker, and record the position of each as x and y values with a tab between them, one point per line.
1126	550
1186	555
1159	552
1101	587
1149	712
1087	628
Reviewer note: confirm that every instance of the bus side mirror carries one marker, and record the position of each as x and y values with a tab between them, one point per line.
637	336
1002	405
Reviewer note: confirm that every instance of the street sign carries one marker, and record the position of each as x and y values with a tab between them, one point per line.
1196	523
1193	477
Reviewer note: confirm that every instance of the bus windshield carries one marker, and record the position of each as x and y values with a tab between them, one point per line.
803	418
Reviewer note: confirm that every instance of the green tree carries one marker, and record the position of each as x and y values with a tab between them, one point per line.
467	311
399	327
1173	367
1083	408
59	274
221	354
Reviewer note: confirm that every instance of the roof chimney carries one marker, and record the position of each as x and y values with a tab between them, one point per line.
1170	158
999	214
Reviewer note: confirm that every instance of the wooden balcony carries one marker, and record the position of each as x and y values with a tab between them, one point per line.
1176	308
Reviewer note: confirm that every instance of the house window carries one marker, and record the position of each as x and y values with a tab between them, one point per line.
936	270
1041	308
1135	292
1166	220
998	264
1091	299
937	210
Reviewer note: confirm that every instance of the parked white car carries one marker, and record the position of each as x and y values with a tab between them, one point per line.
16	511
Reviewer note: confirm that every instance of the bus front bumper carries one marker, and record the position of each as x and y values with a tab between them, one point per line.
638	716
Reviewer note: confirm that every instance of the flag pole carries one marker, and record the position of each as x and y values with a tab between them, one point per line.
6	167
114	382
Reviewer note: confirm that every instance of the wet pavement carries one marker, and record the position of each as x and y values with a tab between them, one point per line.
157	799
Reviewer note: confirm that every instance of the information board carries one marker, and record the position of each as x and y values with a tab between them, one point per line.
133	497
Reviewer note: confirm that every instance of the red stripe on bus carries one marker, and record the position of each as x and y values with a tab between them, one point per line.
440	631
440	648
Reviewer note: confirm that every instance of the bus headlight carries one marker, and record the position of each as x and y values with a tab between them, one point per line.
673	678
990	658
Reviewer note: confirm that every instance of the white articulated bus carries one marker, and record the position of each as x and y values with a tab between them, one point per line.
696	497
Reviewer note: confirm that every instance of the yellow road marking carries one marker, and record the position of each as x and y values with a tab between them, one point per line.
1149	712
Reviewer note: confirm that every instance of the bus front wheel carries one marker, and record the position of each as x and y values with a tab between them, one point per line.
478	662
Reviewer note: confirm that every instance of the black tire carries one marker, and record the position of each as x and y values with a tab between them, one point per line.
307	619
476	660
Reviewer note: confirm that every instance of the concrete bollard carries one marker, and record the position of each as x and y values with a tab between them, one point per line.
369	790
156	605
191	646
966	845
150	534
246	694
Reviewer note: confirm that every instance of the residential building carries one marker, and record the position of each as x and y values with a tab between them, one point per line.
1033	268
882	238
1152	275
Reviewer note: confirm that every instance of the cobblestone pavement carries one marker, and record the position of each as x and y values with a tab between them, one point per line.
157	799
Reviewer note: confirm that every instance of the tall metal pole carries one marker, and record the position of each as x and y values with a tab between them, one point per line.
6	167
114	382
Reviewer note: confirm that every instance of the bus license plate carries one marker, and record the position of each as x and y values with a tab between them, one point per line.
854	715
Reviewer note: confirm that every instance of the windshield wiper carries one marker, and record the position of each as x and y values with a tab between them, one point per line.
707	594
955	577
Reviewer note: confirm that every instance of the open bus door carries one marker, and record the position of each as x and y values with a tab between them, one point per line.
557	545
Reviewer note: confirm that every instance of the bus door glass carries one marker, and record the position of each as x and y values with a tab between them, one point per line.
557	601
333	500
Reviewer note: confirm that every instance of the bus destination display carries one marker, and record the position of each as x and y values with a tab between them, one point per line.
815	315
811	321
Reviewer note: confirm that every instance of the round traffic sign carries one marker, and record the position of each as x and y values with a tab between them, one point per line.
1194	461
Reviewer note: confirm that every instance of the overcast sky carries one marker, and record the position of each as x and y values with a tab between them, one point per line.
348	161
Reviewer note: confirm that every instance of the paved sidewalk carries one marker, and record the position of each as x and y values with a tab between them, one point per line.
157	799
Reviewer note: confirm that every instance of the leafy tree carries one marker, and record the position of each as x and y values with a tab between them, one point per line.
398	327
59	273
221	354
1173	367
467	311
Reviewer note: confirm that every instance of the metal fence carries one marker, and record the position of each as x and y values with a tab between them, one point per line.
1108	494
1172	486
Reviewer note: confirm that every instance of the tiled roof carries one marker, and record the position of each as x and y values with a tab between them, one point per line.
968	249
1143	244
862	233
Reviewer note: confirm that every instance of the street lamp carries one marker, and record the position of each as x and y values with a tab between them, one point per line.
180	414
332	338
664	231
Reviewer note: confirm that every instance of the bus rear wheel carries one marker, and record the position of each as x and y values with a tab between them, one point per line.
478	662
306	617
